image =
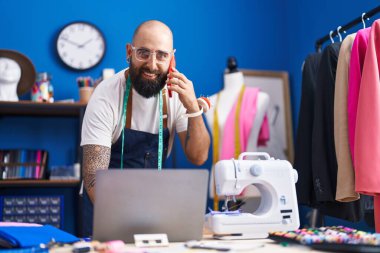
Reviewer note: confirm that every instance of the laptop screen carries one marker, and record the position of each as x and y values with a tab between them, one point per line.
148	201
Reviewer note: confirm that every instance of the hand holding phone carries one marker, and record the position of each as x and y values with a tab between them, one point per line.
171	67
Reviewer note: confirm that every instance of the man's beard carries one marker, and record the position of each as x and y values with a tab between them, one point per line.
146	87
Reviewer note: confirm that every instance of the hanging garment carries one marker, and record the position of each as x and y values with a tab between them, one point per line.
240	120
324	163
345	186
323	150
302	159
358	52
367	143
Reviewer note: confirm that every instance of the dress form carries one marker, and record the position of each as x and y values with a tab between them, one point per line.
233	83
10	74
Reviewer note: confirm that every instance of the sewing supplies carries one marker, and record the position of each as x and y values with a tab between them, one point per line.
331	238
42	90
331	234
160	132
275	180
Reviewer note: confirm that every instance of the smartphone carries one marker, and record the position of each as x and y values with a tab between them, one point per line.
171	66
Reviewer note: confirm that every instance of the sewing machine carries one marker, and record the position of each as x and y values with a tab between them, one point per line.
278	209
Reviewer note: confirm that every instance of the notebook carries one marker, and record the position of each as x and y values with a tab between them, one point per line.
148	201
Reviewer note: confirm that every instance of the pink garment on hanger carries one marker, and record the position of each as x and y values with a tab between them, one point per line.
358	51
247	115
367	142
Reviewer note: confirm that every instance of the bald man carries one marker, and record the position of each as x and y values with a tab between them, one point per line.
138	91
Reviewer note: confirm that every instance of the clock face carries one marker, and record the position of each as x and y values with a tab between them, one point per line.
80	45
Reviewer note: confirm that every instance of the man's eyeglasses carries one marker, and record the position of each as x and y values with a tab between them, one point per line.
143	54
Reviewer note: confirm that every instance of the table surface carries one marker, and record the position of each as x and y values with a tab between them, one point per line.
255	246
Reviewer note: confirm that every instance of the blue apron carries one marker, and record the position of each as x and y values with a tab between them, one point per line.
140	151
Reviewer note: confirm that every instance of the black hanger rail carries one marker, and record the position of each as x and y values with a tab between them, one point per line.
356	21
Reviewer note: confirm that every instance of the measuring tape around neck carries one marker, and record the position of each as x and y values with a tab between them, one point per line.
160	122
160	132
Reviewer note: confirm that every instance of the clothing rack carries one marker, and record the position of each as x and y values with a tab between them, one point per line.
366	15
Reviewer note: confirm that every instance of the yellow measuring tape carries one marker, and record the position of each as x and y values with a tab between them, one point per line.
215	147
215	157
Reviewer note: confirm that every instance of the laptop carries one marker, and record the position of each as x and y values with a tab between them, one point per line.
148	201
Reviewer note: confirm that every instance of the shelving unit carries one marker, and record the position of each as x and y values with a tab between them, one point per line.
38	183
67	189
29	108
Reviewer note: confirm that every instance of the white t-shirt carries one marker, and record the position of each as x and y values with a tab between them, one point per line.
102	120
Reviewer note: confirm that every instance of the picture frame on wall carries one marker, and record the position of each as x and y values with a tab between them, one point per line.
276	85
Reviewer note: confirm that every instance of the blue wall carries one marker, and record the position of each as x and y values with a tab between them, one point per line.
271	35
205	34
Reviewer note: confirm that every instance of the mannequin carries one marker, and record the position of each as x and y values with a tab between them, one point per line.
233	83
10	74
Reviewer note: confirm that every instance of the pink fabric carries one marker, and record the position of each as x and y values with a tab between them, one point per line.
247	115
228	146
246	119
264	134
358	51
367	142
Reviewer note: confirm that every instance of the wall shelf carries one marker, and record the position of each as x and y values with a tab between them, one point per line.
38	183
30	108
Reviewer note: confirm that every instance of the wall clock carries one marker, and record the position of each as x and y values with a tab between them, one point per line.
80	45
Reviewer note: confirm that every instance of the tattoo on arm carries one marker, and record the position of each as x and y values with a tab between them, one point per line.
95	158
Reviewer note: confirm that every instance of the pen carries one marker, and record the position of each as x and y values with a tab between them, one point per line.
209	247
200	245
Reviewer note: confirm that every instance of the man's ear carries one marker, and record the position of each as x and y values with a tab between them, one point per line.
129	51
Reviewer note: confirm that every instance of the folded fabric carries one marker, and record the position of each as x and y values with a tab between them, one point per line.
29	236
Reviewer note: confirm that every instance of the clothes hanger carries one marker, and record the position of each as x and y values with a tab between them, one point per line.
331	38
363	19
339	35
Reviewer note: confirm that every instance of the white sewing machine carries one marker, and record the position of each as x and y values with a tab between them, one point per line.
278	209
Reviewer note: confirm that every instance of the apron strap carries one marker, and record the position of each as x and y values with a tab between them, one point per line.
129	110
165	109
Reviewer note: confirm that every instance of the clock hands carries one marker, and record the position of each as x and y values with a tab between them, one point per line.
82	45
77	44
71	42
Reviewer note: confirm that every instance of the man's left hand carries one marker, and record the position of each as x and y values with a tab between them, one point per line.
185	89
